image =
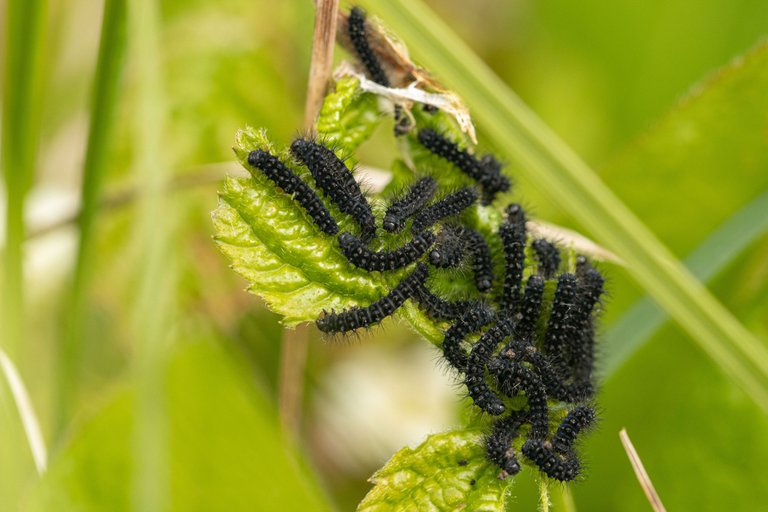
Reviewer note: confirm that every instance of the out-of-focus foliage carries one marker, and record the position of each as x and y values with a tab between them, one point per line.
225	449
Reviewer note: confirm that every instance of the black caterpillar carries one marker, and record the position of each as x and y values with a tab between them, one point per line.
478	250
336	180
361	256
486	171
401	210
357	34
449	249
548	256
450	205
471	320
284	178
525	354
355	318
357	28
513	237
441	309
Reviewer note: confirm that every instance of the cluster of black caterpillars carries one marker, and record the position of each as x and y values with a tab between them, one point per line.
532	360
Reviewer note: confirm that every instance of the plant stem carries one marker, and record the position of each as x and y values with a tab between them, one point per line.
326	14
105	99
22	87
154	306
293	351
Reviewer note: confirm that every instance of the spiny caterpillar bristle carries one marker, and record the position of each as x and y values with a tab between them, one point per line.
414	200
357	317
358	34
548	256
362	257
335	179
450	205
486	171
283	177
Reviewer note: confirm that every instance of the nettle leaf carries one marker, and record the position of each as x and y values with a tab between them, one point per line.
301	273
298	270
448	471
348	116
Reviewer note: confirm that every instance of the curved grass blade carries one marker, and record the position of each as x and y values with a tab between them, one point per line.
26	412
718	251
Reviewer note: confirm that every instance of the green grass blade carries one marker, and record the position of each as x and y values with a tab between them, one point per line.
718	251
104	103
548	164
153	309
24	34
24	26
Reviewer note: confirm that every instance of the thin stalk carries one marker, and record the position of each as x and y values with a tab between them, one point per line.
322	58
550	165
22	87
641	473
105	98
153	307
24	48
295	343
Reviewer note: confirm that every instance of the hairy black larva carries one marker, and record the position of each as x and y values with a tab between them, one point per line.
284	178
357	29
560	466
356	317
548	256
486	171
513	238
450	205
478	250
337	181
557	339
590	290
530	308
498	444
439	308
481	352
472	320
414	200
578	419
361	256
449	248
513	377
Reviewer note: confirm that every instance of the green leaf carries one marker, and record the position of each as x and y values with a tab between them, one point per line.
300	271
448	471
223	444
348	116
296	268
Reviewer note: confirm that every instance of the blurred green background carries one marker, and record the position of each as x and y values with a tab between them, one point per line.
155	376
